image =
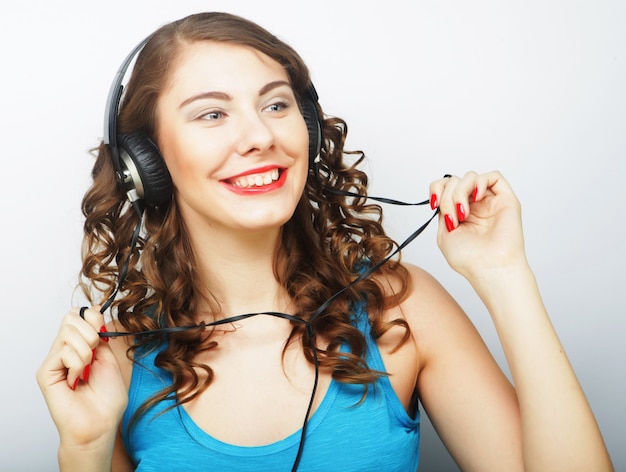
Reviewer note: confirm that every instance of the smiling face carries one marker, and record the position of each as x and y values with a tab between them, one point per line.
233	138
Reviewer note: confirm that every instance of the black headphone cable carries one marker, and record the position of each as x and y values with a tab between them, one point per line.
310	331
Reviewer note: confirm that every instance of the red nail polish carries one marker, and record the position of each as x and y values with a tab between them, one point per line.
449	222
75	384
104	330
475	194
460	212
86	372
433	201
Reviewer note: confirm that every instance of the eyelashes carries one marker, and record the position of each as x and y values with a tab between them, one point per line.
211	115
277	107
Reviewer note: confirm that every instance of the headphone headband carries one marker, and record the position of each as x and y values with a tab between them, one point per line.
139	167
113	103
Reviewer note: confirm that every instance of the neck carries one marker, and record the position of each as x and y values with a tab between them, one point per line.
238	271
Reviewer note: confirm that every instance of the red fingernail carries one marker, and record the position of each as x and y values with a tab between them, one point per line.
433	201
475	194
86	372
75	384
104	330
449	222
460	212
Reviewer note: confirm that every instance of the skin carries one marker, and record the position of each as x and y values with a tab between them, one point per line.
545	424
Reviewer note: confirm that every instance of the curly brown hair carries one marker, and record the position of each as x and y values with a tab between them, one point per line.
322	246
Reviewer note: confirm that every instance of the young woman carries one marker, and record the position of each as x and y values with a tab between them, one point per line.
257	326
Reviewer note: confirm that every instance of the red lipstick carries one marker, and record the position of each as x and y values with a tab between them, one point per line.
255	189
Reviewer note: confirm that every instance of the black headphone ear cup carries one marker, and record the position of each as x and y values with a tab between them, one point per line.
150	177
311	118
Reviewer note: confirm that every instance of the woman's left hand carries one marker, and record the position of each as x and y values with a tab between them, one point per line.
480	228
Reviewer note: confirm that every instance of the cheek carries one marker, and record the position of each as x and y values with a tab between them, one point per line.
176	162
187	155
177	147
297	139
303	153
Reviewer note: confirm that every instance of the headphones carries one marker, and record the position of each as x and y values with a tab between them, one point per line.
140	169
142	174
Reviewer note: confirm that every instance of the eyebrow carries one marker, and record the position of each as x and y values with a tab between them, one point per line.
224	96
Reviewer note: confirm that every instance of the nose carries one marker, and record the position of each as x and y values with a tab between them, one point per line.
255	135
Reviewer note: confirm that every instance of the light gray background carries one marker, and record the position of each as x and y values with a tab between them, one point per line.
534	88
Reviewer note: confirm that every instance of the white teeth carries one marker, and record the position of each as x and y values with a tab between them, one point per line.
257	180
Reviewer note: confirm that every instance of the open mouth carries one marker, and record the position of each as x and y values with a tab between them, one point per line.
260	179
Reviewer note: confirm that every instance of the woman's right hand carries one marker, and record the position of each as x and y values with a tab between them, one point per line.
82	383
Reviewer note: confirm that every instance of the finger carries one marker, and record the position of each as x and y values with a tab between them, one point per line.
447	207
87	325
435	190
73	327
77	341
93	316
53	369
458	197
463	195
76	356
492	183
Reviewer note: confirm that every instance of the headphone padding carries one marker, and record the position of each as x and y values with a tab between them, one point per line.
311	118
155	178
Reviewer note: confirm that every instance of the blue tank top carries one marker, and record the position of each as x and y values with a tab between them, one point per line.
342	434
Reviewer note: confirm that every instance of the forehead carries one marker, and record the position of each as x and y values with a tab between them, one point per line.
209	64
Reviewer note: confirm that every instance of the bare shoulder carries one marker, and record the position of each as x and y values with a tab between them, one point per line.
459	383
440	330
427	303
435	318
427	300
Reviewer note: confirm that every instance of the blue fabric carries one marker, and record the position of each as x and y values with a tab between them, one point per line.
342	435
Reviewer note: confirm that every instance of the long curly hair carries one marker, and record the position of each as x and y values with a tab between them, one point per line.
322	246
